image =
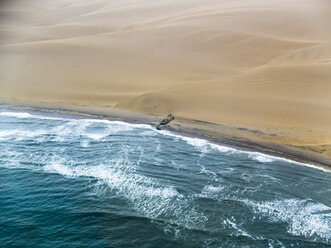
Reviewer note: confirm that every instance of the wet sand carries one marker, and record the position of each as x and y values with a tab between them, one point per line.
237	137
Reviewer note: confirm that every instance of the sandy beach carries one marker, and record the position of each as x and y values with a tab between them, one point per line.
243	139
250	73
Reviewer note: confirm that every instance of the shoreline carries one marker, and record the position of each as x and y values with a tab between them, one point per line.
238	138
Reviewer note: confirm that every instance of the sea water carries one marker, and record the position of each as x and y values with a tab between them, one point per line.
70	181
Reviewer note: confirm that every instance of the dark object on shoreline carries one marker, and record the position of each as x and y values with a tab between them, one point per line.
165	121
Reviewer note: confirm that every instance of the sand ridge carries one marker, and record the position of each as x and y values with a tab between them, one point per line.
265	65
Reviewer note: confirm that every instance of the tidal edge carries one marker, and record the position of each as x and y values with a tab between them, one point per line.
231	136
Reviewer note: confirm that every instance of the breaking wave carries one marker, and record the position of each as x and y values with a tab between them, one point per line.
303	217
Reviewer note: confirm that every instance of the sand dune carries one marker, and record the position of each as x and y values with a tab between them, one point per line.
255	63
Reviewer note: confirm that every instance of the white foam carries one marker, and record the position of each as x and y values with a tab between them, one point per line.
239	231
275	243
96	136
11	159
261	157
116	178
211	190
6	133
269	158
148	197
61	133
306	218
24	115
21	134
84	143
60	169
206	146
70	129
201	144
16	114
120	123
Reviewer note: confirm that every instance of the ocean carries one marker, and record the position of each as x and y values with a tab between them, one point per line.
73	181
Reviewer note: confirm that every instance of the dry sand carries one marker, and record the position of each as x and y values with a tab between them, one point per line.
256	65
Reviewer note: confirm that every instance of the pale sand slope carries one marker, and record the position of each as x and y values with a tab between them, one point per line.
260	64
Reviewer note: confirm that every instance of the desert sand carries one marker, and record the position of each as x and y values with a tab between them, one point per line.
256	65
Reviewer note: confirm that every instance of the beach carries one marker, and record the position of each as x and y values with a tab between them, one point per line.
254	74
237	137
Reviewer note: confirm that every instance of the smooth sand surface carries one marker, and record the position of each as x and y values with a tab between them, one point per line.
250	64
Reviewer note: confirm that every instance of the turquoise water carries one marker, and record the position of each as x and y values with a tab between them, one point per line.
68	181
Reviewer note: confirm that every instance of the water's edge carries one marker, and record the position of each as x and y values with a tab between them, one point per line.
184	128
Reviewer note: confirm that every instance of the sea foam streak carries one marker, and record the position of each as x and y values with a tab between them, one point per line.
147	196
303	217
205	146
16	114
24	115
